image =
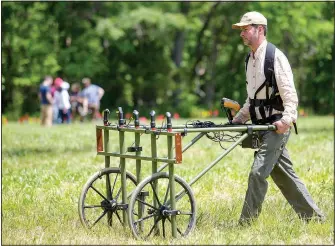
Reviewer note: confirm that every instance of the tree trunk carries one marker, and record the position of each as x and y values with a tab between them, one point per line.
210	83
177	53
180	37
8	88
199	47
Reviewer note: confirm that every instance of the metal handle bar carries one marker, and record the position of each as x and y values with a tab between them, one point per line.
177	129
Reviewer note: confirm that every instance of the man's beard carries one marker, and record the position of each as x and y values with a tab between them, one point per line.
249	42
246	41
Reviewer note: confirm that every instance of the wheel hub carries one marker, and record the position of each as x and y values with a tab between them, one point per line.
162	211
109	205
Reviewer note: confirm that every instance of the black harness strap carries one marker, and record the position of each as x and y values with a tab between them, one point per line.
252	114
274	90
262	112
269	76
246	64
270	119
246	61
268	72
252	108
269	64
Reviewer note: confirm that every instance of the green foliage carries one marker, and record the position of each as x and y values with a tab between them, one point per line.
308	44
131	50
30	44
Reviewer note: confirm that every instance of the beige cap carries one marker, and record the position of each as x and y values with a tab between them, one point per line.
251	18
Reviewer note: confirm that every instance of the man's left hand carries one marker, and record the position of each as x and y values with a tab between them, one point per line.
281	127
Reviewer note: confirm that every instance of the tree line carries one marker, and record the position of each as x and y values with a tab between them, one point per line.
167	56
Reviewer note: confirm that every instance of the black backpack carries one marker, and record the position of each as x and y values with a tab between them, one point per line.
273	101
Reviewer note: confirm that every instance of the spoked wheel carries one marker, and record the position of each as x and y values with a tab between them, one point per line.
150	210
100	202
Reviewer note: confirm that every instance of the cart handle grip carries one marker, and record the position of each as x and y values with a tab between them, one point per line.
106	113
152	119
136	117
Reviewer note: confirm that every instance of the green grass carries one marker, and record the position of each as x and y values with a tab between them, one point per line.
44	170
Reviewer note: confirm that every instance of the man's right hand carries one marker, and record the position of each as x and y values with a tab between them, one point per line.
236	122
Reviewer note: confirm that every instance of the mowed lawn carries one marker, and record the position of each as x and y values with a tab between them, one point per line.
44	170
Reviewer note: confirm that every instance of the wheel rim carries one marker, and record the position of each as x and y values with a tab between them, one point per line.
156	217
100	203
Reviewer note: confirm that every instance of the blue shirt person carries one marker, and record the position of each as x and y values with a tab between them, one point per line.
46	101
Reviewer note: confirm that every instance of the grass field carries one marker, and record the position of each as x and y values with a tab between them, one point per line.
44	170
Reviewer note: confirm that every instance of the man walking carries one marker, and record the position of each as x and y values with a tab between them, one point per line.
272	99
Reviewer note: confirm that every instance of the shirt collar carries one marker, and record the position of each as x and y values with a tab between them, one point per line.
260	49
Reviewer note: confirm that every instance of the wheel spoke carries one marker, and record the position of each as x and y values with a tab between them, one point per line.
167	192
114	184
153	227
93	206
118	194
118	216
163	226
110	220
144	218
102	215
156	196
149	205
177	227
108	186
99	193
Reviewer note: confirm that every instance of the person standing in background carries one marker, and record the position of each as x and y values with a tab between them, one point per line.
78	103
62	100
46	101
54	106
93	93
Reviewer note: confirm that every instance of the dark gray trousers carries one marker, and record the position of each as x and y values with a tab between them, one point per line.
273	159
